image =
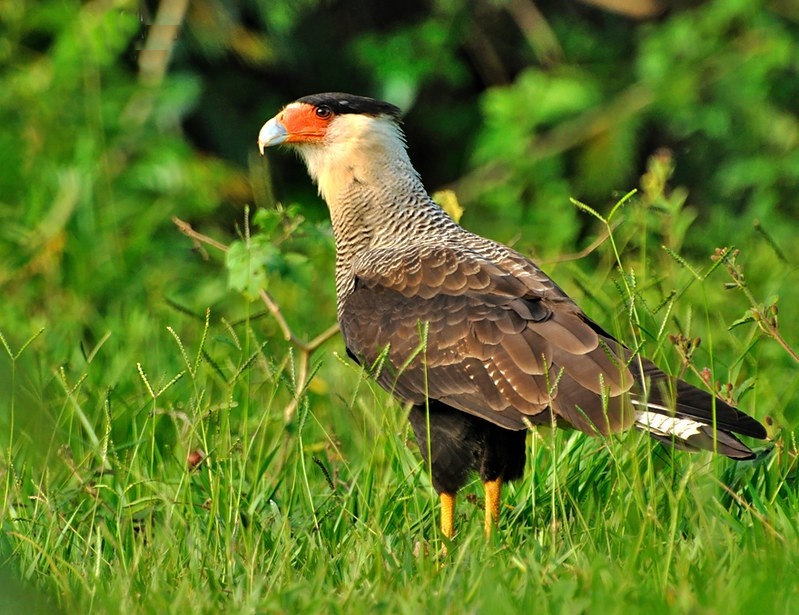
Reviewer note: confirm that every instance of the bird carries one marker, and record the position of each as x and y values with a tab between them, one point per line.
470	333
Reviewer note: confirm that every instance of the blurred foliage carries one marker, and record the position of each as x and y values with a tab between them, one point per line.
268	253
94	164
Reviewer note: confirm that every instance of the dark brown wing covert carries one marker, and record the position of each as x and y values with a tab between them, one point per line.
445	323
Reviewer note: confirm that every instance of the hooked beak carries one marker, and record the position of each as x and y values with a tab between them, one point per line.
272	133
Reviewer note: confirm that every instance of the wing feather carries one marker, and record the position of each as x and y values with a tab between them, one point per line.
495	341
504	343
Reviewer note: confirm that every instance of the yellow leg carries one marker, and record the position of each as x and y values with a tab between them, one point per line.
493	489
447	514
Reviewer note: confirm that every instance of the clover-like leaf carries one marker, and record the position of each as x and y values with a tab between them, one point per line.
247	264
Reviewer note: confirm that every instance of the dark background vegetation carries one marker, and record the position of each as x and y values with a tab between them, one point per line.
118	116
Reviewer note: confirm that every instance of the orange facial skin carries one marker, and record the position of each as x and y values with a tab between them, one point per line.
305	123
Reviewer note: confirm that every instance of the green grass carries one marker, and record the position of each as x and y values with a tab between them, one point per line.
333	511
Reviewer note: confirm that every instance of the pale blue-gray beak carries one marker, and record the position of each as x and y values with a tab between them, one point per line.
272	133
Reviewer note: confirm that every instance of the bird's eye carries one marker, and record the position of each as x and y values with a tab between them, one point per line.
324	112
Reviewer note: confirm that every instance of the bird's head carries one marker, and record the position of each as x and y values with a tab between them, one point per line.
325	119
340	137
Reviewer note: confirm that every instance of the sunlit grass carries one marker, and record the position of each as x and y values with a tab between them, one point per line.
156	473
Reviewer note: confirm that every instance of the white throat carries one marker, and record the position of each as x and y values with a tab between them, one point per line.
357	149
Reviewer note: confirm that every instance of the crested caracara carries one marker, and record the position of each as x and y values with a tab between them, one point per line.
473	335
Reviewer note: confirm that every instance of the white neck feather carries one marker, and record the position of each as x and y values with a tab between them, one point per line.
374	194
357	149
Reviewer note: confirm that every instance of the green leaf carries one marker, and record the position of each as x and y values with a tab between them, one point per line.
267	220
247	265
745	319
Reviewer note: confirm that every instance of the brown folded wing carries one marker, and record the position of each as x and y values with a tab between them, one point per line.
495	339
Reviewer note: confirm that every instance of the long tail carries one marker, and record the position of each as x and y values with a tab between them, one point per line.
688	418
